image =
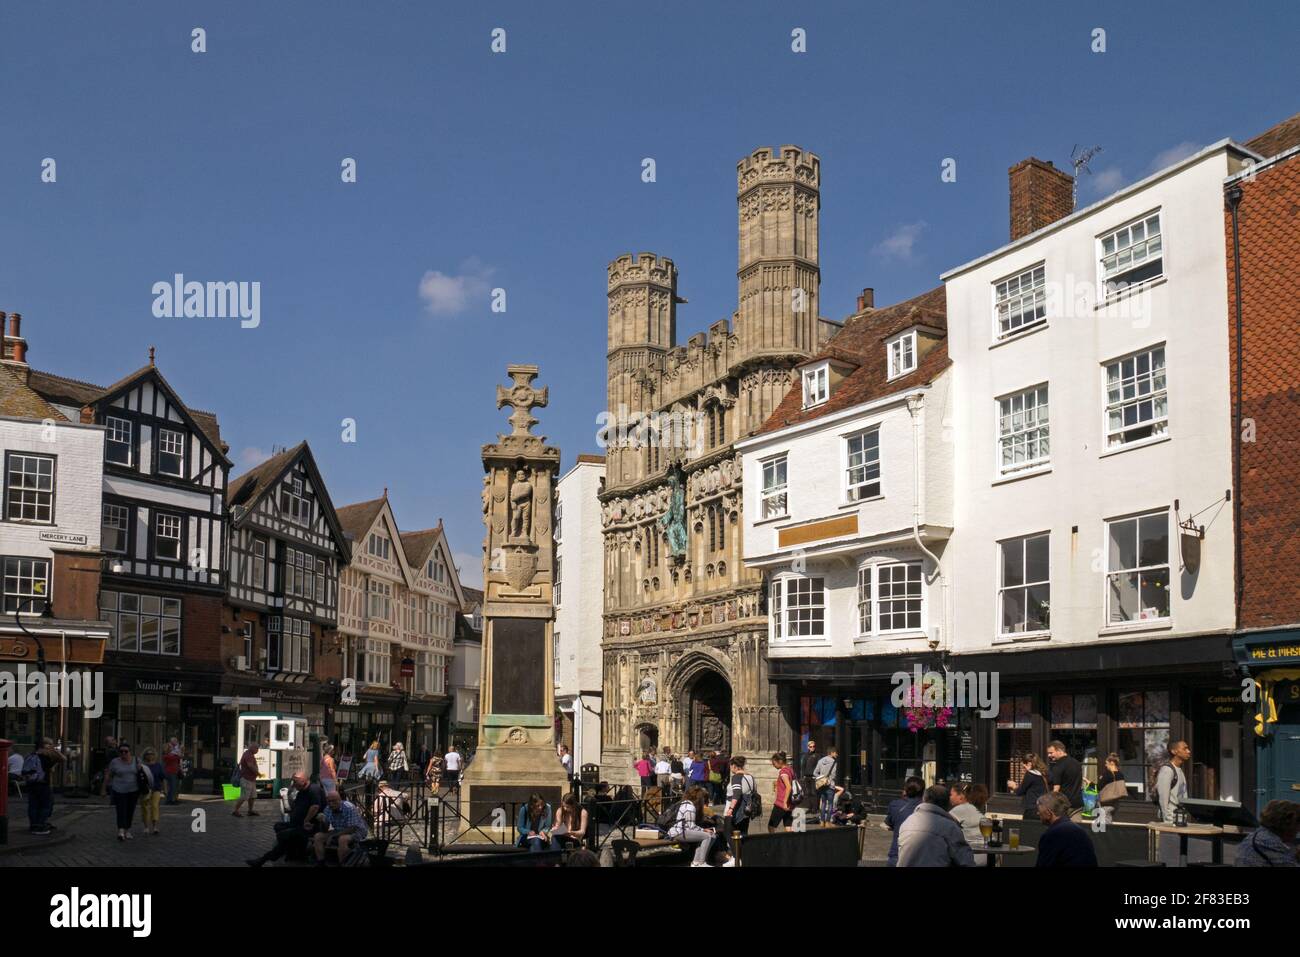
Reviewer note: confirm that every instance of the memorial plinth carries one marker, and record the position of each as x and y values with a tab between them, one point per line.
516	750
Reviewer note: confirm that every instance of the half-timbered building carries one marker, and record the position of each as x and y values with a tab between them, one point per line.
397	606
286	549
163	539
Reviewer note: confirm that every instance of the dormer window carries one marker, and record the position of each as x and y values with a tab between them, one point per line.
816	385
902	354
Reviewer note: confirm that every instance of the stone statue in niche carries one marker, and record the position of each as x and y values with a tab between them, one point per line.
674	519
521	508
647	692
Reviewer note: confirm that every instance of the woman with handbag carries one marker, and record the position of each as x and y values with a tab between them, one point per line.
1033	784
1111	786
126	779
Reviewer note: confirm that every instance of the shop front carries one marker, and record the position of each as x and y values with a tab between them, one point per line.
1271	659
1131	699
146	708
63	709
285	694
851	703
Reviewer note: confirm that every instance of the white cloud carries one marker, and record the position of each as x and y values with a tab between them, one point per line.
1175	153
447	294
901	243
469	568
1105	181
252	456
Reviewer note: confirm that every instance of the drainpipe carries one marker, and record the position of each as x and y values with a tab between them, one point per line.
1233	197
914	403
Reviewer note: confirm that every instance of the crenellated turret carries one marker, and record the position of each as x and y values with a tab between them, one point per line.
778	205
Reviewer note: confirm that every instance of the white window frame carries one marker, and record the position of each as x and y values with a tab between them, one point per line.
19	576
866	596
777	496
780	608
904	346
1113	439
816	385
1106	276
379	662
1022	542
159	537
114	430
1141	620
26	496
867	464
174	437
878	610
1024	293
1038	435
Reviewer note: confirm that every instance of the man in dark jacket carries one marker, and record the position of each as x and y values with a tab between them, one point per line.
807	774
900	809
1064	843
305	819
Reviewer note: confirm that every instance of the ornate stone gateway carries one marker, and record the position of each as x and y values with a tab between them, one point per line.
709	716
516	754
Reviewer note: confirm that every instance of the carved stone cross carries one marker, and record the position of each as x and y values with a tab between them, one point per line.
523	397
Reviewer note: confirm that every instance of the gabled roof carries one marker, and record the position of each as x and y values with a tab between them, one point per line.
357	518
1278	139
54	388
473	596
248	489
19	400
420	546
861	343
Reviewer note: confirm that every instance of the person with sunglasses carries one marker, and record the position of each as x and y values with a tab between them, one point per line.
122	779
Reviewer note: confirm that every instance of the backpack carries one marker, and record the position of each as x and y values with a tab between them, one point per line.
33	769
749	805
796	791
668	816
1153	792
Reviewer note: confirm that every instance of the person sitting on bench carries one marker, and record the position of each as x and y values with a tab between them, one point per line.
347	827
293	836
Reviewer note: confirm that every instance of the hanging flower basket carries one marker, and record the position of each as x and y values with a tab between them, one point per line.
921	715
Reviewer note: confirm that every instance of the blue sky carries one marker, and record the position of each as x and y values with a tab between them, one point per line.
522	171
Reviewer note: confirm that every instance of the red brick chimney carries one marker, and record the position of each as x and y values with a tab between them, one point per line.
867	300
1040	195
15	346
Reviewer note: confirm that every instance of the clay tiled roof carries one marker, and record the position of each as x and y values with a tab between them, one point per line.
592	458
357	518
861	343
19	400
1279	139
74	392
248	487
418	545
473	596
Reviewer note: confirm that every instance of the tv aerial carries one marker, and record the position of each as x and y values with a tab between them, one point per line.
1079	159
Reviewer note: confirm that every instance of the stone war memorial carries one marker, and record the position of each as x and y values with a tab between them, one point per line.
516	752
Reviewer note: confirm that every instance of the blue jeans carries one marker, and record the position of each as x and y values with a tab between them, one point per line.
826	808
40	805
173	785
535	844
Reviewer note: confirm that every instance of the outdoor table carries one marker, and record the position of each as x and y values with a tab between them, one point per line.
997	853
1215	834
